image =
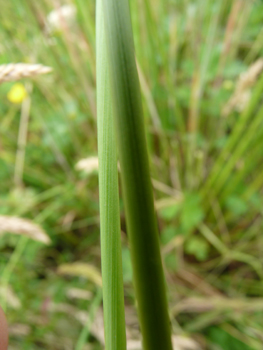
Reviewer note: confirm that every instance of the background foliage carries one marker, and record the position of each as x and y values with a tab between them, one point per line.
200	70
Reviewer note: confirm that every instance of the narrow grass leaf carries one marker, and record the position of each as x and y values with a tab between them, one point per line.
135	175
111	259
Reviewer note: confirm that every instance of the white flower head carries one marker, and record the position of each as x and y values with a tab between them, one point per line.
88	165
58	18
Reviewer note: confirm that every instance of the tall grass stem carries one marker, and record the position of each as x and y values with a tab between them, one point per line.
135	176
111	261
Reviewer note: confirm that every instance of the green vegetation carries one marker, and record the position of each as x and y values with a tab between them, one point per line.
111	259
204	130
135	175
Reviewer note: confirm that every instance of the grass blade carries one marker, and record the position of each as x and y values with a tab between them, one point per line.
135	175
113	299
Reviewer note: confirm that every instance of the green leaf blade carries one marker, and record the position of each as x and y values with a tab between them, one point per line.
111	259
135	175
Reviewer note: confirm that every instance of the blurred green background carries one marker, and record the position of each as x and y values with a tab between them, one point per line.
200	66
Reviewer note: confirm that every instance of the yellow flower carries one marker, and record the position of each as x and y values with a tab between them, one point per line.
17	93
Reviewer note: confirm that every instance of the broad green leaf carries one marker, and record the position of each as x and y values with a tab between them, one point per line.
192	213
198	247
